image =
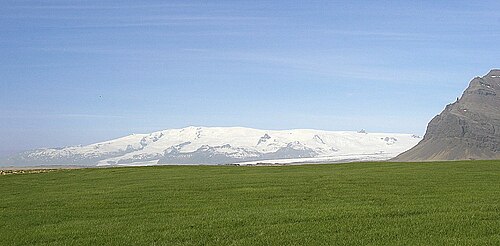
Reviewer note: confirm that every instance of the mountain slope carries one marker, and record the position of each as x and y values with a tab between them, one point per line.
224	145
467	129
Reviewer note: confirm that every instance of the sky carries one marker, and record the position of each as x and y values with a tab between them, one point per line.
79	72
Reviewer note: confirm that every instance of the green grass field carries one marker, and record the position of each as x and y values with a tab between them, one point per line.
448	203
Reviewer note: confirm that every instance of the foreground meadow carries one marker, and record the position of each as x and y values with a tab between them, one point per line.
452	203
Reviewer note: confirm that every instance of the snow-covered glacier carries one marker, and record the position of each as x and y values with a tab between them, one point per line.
226	145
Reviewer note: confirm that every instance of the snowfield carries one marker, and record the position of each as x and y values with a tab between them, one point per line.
227	145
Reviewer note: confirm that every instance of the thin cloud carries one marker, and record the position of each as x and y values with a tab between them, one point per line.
157	18
91	116
334	68
155	21
18	115
407	36
94	7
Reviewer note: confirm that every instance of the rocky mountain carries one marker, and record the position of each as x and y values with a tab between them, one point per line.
467	129
225	145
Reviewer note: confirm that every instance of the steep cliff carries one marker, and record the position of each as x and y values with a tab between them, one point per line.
467	129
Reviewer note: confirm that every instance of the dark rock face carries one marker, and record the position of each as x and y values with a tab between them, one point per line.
467	129
209	155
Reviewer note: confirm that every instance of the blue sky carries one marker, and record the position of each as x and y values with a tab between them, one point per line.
77	72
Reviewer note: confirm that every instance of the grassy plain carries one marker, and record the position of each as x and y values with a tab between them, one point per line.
440	203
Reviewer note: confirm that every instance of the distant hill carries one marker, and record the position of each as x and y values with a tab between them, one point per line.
225	145
467	129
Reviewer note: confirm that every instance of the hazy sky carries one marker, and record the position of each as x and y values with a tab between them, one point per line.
77	72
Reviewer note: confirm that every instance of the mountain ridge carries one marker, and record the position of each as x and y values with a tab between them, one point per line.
468	128
224	145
